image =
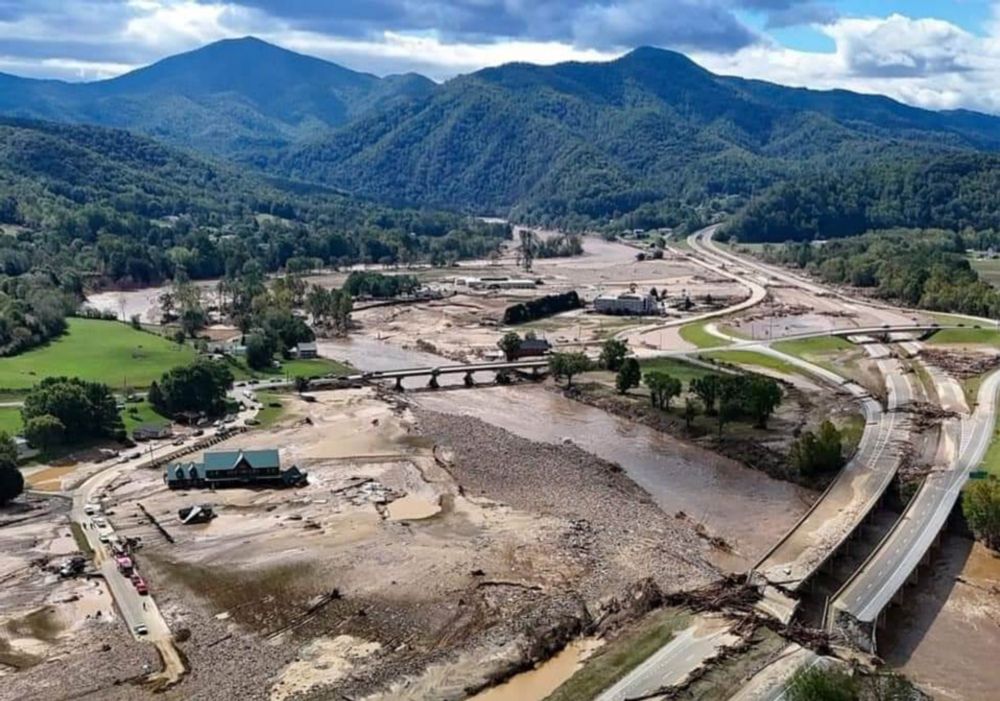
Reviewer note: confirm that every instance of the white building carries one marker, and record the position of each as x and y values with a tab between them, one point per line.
629	303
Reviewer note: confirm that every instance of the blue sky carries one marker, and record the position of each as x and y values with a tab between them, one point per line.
943	54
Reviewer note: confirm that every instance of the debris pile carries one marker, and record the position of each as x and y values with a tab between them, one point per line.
960	364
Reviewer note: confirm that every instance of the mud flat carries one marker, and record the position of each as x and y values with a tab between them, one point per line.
711	490
56	633
404	569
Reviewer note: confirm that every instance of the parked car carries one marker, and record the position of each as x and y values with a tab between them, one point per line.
140	629
140	585
100	521
179	441
199	432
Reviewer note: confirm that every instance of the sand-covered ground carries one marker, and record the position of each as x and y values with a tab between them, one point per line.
427	556
47	623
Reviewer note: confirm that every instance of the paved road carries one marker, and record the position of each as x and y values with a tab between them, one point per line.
885	572
136	610
857	488
675	661
771	683
757	295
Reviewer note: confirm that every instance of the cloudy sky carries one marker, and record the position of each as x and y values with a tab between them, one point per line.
932	53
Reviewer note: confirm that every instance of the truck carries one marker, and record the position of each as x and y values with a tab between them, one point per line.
140	585
125	564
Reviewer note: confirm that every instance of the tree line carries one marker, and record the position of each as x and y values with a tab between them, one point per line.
922	268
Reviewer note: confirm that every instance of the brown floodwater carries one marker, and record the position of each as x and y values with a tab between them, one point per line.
945	635
536	684
747	508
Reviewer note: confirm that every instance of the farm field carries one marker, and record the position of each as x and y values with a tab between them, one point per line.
99	351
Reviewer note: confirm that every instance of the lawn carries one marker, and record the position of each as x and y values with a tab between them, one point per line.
988	269
685	372
10	420
313	367
807	348
100	351
136	414
989	337
697	335
738	357
270	415
828	352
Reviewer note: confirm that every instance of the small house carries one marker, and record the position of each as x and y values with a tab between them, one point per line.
532	347
306	350
150	432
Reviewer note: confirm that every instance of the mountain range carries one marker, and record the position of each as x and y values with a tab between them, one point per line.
649	135
225	98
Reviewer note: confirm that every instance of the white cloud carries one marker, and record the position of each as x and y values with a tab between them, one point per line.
186	23
924	62
393	52
901	46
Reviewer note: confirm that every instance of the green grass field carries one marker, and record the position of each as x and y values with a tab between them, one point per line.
740	357
100	351
987	337
808	348
136	414
313	367
697	335
270	415
685	372
619	657
10	420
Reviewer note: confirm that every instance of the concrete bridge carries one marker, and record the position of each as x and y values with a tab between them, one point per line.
536	366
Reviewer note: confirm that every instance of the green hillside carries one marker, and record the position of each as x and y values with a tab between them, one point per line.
650	138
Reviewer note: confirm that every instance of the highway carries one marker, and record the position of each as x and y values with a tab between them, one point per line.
830	521
857	488
757	294
855	608
771	683
672	663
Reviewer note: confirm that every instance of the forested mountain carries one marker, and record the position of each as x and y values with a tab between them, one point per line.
578	142
649	139
108	206
954	191
231	97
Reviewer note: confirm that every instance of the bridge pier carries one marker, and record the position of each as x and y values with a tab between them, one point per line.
399	384
469	382
433	382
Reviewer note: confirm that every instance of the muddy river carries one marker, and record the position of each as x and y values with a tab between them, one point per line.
747	508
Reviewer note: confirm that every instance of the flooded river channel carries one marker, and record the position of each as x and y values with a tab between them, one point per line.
747	508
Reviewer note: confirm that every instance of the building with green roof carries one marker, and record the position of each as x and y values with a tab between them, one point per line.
234	468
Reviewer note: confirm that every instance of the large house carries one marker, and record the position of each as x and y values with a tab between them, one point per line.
629	303
234	468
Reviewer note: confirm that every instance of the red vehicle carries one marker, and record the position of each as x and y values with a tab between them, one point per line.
140	584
